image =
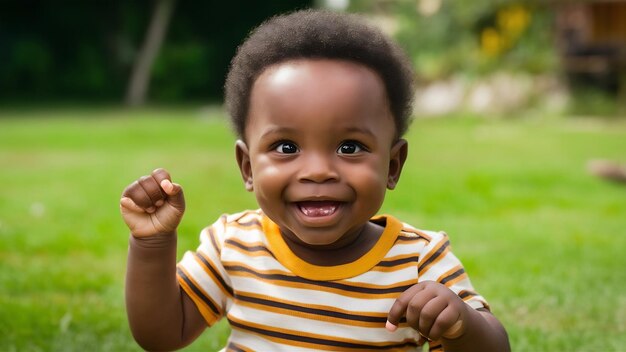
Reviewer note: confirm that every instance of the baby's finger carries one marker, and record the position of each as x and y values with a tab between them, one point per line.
399	307
429	314
163	178
442	326
138	196
128	204
161	174
152	188
175	194
169	187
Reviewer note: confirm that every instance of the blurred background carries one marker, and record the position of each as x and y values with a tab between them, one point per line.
177	52
518	150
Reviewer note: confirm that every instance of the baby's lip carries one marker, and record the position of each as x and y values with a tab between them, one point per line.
318	208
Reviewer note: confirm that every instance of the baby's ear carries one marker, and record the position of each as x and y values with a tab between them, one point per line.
243	160
397	157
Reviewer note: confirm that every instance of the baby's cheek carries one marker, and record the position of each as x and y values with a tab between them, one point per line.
267	173
370	185
268	180
369	179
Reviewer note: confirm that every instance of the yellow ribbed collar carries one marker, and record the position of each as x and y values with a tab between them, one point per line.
304	269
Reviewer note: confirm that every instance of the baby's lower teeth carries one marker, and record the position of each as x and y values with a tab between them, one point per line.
318	211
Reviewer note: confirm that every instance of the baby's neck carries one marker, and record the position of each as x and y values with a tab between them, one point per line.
352	250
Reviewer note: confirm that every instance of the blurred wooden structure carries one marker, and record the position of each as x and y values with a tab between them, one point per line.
591	36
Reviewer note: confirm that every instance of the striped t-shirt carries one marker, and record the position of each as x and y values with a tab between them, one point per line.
275	301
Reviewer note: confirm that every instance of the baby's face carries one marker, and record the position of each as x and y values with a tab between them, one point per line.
320	151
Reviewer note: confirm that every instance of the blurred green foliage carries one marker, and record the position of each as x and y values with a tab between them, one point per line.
477	37
73	50
84	50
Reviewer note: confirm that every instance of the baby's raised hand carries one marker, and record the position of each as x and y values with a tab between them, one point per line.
432	309
153	205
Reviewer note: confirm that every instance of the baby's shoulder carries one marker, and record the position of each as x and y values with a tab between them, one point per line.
411	233
244	223
242	219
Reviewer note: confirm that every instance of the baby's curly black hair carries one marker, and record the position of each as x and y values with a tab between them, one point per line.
319	34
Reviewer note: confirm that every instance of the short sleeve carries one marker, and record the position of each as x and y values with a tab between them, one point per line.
202	275
438	263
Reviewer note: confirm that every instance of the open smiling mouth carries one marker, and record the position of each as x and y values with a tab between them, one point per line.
318	208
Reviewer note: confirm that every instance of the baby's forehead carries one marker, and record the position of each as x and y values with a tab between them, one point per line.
295	82
301	96
340	91
334	66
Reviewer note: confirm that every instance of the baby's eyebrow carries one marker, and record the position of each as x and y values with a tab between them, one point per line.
272	130
283	130
360	130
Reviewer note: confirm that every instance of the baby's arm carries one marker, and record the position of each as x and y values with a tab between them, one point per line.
436	312
160	314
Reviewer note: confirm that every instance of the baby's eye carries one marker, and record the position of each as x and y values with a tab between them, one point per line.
286	148
350	147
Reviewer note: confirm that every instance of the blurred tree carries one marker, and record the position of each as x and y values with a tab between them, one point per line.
74	50
140	76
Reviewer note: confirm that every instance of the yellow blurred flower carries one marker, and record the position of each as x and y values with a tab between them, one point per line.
513	20
491	42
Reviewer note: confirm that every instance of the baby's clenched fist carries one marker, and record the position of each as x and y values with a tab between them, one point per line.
432	309
153	205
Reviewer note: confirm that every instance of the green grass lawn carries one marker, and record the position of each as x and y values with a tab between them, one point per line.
542	240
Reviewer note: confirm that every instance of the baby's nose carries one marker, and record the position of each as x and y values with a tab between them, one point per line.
318	168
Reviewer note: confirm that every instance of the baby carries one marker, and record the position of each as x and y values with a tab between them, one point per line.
319	101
